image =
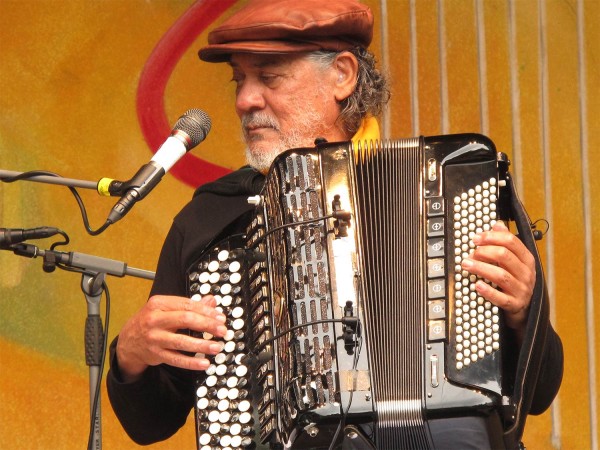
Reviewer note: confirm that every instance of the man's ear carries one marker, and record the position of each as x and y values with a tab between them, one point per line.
346	70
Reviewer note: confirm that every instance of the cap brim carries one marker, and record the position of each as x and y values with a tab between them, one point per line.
223	52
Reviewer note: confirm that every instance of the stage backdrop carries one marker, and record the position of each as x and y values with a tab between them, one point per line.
90	89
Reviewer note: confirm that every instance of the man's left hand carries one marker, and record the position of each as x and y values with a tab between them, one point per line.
501	258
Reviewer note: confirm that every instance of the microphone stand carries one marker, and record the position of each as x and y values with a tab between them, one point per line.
94	270
51	180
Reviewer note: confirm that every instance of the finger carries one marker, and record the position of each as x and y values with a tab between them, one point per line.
500	236
501	256
502	278
176	320
205	306
185	343
514	307
177	359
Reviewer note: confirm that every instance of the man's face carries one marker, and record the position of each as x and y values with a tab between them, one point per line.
283	102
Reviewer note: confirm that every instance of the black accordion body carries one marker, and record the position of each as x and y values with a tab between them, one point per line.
350	317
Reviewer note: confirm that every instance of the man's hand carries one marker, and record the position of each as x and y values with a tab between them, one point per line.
503	259
150	337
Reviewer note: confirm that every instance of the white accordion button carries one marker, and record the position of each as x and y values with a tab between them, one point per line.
245	417
196	298
214	428
244	405
222	393
213	266
234	266
223	255
235	429
229	347
214	278
233	393
226	289
235	278
240	371
205	439
205	289
223	405
232	383
229	334
221	370
213	416
202	403
204	277
237	324
226	300
201	391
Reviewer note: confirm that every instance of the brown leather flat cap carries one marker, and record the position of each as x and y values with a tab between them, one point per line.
291	26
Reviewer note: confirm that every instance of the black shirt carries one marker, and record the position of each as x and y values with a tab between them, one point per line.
154	407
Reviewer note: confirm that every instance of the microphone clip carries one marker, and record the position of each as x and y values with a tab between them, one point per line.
350	328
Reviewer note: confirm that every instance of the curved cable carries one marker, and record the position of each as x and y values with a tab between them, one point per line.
35	173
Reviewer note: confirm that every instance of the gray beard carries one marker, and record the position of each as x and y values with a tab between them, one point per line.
309	126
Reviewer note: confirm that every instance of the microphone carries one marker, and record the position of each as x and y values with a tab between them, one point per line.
11	236
189	131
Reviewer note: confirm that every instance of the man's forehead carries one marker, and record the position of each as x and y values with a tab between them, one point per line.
262	60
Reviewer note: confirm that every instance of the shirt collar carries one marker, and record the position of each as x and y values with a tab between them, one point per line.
368	131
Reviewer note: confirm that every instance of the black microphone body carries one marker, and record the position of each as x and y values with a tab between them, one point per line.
189	131
138	187
11	236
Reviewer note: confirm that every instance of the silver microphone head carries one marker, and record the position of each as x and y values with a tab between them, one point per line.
196	124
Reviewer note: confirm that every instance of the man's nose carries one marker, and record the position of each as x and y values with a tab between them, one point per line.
249	97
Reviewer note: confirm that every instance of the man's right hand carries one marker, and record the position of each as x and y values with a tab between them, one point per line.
150	337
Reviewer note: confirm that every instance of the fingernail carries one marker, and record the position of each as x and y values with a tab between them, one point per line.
216	347
221	330
202	362
467	263
221	317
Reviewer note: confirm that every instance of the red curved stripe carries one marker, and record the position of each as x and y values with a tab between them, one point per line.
153	81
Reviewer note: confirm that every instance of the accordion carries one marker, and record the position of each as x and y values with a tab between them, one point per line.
351	322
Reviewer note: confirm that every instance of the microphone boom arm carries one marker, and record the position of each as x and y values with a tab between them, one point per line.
82	261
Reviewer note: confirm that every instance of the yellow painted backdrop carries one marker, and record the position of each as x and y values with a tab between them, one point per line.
525	72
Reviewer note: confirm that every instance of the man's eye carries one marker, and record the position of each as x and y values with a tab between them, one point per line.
268	78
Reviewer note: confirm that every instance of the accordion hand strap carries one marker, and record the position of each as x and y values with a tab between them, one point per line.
532	348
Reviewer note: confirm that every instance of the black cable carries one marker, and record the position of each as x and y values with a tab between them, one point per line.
65	242
345	413
84	216
346	320
335	215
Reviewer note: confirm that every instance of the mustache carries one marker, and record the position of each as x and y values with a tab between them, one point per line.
259	120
